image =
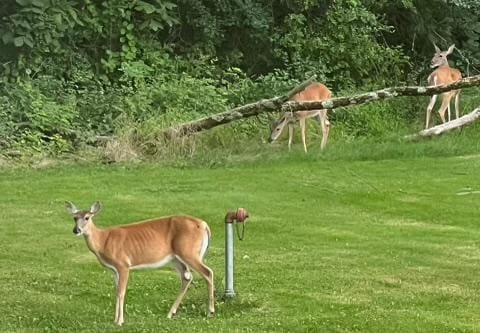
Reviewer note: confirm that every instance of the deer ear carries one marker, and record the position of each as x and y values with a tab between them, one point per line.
450	49
437	50
71	207
95	208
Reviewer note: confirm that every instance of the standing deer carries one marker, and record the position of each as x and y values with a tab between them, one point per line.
443	74
314	92
182	240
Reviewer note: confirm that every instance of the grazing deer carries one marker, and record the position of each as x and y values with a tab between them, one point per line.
443	74
314	92
182	240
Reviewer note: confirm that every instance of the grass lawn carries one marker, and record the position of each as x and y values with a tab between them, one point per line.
333	245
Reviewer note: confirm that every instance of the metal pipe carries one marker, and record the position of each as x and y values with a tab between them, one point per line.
239	217
229	292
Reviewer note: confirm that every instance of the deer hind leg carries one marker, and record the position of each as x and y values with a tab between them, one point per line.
290	135
302	130
197	264
186	277
123	274
325	124
445	105
430	106
449	113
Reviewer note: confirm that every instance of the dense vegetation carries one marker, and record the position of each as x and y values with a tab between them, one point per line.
72	71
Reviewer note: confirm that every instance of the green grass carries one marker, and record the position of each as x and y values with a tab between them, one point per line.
369	236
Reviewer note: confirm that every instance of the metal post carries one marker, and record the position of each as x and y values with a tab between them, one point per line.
239	217
229	292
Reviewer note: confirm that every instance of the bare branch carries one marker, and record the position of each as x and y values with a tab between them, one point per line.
280	103
380	94
439	129
245	111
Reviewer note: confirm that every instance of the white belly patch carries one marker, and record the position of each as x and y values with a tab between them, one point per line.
152	265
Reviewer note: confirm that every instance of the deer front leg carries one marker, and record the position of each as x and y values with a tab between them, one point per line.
457	104
302	130
445	105
325	133
448	107
433	99
121	290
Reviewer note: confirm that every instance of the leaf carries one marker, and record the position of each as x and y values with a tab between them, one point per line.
74	15
33	10
40	3
28	40
24	2
57	18
48	37
7	37
145	7
155	25
18	41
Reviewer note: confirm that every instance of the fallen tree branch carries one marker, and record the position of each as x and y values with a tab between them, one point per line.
280	103
439	129
337	102
245	111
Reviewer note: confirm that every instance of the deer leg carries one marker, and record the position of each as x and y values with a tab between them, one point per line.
186	277
457	104
116	277
290	135
430	106
302	129
444	106
121	290
197	264
325	132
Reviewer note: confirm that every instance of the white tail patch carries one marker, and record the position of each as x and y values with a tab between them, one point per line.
205	243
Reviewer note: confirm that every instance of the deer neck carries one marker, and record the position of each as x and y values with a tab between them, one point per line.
444	65
94	237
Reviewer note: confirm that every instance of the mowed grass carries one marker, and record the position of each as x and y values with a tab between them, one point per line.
332	245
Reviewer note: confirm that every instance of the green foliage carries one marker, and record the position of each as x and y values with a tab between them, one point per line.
72	70
35	121
340	46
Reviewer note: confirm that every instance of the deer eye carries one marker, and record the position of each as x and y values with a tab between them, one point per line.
87	218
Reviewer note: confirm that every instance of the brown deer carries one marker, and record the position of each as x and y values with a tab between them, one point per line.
314	92
181	240
443	74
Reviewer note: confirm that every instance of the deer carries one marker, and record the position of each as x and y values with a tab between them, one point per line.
443	74
180	239
313	92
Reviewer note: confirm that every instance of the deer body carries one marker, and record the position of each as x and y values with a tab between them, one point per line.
181	240
314	92
443	74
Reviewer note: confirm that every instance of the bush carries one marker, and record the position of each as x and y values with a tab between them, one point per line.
33	121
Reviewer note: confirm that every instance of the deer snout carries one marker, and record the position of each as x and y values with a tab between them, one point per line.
76	230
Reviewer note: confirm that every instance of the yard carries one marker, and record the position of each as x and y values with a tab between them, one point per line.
333	244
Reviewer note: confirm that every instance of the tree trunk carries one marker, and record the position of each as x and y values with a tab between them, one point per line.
439	129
